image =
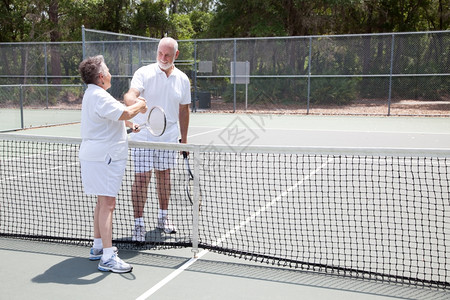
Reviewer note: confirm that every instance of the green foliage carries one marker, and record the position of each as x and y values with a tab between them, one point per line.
305	17
40	96
150	19
200	21
338	91
61	20
182	27
13	23
275	91
45	20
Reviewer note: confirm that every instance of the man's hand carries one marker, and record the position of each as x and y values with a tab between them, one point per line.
144	108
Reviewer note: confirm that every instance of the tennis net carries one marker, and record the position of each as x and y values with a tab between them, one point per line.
371	213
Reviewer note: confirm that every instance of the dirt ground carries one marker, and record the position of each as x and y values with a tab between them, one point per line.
361	107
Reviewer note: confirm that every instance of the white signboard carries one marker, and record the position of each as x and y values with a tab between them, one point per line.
242	74
205	66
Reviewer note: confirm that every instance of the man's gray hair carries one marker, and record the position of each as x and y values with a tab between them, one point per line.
169	40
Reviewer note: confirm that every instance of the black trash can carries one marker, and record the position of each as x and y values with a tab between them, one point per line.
204	99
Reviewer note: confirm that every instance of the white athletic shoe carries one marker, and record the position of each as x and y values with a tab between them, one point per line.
165	225
138	234
115	265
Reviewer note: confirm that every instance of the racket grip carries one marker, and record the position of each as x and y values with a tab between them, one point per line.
184	152
129	130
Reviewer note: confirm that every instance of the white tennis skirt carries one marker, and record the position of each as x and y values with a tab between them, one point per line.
102	178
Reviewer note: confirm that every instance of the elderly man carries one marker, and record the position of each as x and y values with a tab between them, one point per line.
160	84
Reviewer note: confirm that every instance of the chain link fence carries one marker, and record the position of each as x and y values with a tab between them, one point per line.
386	74
373	74
39	84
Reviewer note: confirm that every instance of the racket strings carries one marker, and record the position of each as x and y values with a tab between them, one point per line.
156	122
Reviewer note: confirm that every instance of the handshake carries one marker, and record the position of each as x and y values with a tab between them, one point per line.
140	106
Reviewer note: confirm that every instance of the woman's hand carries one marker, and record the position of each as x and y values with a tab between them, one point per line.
135	127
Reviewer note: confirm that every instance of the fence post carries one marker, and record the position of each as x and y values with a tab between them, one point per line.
21	107
83	47
46	73
140	55
309	76
83	40
234	75
194	108
130	55
390	74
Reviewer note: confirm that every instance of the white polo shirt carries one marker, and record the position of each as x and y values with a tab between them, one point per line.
160	90
101	131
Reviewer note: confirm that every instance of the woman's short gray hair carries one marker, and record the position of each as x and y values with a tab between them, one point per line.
91	67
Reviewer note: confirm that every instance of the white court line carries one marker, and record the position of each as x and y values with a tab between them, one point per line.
36	155
43	171
206	132
178	271
269	204
171	276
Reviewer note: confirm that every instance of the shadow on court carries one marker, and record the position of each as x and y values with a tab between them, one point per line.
81	273
77	271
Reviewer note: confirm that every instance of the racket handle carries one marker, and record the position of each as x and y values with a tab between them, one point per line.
129	130
185	155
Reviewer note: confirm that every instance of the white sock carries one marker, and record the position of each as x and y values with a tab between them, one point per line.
162	213
139	221
107	253
98	243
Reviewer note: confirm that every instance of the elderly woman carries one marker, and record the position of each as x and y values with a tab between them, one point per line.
103	155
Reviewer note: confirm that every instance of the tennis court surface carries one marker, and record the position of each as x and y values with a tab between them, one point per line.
284	207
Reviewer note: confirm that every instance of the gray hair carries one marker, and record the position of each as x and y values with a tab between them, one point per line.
171	41
91	67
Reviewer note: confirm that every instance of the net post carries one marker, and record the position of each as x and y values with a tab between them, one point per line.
196	204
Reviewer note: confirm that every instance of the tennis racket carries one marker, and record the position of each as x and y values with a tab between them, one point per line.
189	187
156	121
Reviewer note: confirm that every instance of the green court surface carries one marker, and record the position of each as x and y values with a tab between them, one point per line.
298	130
42	270
11	118
35	270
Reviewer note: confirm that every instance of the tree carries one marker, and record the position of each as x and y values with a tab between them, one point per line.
200	21
13	23
55	35
150	19
181	27
235	18
189	6
61	20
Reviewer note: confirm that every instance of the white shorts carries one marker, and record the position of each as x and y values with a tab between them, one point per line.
102	178
146	159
